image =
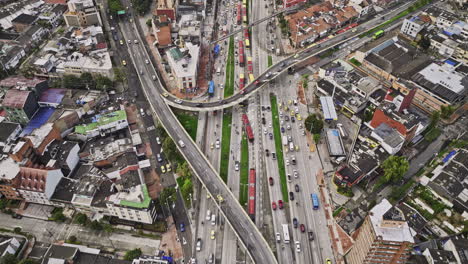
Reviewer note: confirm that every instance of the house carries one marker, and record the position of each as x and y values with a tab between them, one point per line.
161	26
37	185
9	132
82	13
23	21
61	155
436	256
20	105
32	36
12	56
76	254
9	245
35	85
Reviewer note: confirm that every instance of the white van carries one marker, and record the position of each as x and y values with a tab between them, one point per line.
291	146
181	144
213	219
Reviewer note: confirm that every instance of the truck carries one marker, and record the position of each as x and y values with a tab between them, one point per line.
285	140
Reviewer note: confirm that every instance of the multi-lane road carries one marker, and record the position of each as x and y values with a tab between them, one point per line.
256	245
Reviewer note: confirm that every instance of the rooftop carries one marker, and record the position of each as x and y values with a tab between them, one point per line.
8	169
53	96
328	108
334	143
184	62
398	233
24	19
6	129
15	98
101	120
20	82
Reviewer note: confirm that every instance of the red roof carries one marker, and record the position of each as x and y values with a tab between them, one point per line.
101	45
380	117
15	98
32	179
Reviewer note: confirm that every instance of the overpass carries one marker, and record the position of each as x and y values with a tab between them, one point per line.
281	66
292	9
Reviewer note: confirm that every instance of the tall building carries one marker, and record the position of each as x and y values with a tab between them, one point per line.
20	105
412	26
82	13
183	62
384	237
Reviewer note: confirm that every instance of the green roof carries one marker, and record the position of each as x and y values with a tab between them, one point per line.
176	54
143	204
101	121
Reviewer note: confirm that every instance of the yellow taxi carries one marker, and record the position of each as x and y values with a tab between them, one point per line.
298	116
168	167
165	94
212	234
121	42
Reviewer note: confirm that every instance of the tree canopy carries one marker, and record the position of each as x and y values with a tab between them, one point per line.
8	259
313	124
394	168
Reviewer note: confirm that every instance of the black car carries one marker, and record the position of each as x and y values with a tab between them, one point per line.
271	135
199	104
296	188
292	119
286	118
295	222
291	196
273	155
267	152
263	120
311	235
293	160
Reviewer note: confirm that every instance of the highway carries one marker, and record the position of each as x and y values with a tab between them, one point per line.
282	66
252	239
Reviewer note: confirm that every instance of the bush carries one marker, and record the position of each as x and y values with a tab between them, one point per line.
132	254
81	219
72	239
346	191
17	230
57	215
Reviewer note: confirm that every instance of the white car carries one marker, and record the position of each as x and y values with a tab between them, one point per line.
287	162
288	127
296	174
236	167
217	144
147	61
298	246
199	244
178	101
264	131
278	237
208	215
154	77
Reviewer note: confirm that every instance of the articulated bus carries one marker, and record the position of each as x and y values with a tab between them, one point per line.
378	34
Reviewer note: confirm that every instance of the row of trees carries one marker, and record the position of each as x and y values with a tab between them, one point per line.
11	259
82	219
419	4
142	6
85	81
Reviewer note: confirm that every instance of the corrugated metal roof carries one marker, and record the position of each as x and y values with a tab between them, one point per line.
328	108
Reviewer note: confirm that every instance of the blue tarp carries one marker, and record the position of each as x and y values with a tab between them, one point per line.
447	158
40	118
450	62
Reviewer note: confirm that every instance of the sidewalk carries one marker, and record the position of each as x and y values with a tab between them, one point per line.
341	242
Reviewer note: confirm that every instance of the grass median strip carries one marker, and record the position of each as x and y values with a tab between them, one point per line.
225	144
189	122
229	84
270	61
279	147
244	170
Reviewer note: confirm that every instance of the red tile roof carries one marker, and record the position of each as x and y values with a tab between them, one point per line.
380	117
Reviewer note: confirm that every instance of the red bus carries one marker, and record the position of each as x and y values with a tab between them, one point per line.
241	53
248	127
249	65
239	14
246	33
252	191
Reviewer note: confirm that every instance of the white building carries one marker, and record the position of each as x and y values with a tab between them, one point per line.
38	185
96	63
184	62
103	124
132	205
412	26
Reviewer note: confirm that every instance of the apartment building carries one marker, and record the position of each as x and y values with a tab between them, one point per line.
412	26
82	13
37	185
184	62
384	237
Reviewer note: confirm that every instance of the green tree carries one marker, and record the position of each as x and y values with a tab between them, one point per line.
3	204
108	228
394	168
161	131
313	124
119	75
187	188
446	111
148	23
171	151
87	80
58	216
368	114
132	254
8	259
435	117
168	193
184	170
81	219
424	43
103	83
72	82
17	230
114	6
95	225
